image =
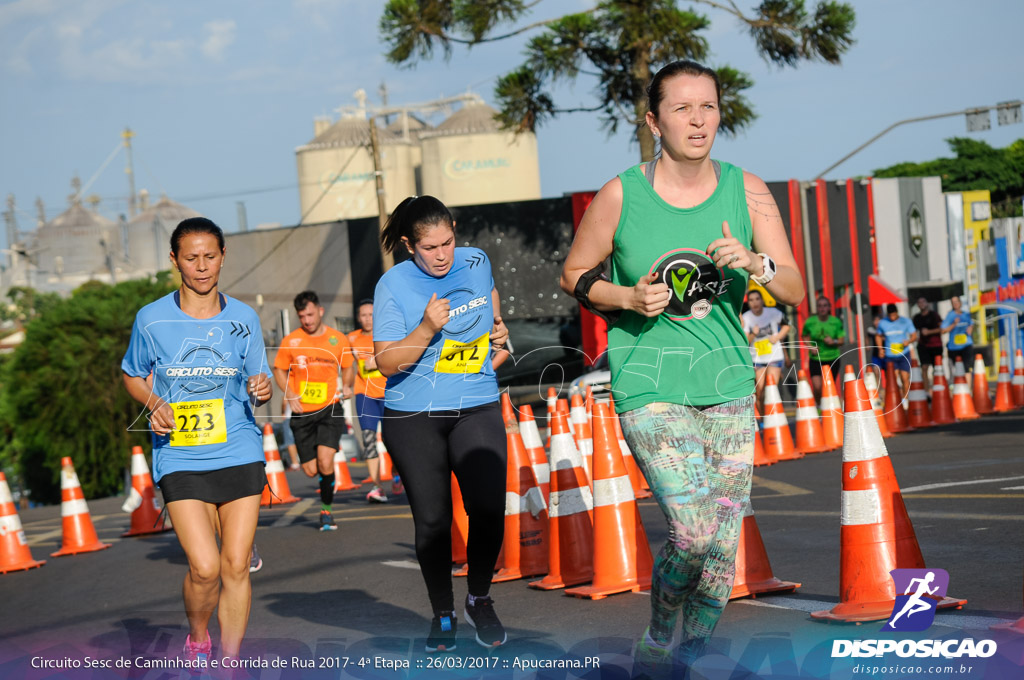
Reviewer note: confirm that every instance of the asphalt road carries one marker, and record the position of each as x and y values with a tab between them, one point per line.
333	599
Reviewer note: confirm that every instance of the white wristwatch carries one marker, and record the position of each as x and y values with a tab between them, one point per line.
769	271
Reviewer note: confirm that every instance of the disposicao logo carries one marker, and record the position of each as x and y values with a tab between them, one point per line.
918	594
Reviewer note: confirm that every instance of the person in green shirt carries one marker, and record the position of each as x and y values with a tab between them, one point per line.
827	335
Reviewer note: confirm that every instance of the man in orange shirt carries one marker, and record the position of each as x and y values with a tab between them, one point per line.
369	391
306	368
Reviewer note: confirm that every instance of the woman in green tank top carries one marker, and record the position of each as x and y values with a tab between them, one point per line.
684	234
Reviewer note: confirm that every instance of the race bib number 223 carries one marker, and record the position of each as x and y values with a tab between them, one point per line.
199	422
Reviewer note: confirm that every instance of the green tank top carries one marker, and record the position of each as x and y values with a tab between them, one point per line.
695	352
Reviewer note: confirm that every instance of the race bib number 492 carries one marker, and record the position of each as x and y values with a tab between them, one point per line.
199	422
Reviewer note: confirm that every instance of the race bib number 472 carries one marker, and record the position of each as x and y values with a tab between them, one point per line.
463	357
199	422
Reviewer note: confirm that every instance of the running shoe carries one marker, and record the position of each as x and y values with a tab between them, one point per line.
442	633
255	561
197	653
489	631
327	522
396	486
651	661
377	495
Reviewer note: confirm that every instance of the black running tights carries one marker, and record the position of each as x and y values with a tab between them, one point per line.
426	448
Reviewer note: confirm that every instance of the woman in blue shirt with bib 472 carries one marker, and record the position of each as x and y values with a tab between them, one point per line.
196	361
436	322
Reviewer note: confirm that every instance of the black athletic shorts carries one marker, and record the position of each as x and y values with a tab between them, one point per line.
214	486
966	354
318	428
927	355
815	367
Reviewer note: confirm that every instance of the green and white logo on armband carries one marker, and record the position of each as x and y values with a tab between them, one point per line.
693	280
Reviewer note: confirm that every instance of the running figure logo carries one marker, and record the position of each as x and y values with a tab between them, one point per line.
921	590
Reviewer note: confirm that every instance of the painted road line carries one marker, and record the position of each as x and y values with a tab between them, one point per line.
966	495
404	515
943	485
402	564
917	514
950	619
293	512
780	488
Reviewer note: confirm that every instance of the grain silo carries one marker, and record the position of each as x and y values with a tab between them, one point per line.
76	246
147	240
468	160
336	178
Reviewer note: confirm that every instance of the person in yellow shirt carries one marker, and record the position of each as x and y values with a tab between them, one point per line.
306	368
369	389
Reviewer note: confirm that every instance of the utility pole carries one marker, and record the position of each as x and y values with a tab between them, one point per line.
386	258
129	169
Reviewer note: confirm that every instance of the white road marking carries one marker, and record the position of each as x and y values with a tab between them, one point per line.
293	512
943	485
402	564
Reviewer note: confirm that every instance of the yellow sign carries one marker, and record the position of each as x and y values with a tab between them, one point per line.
763	347
314	393
463	357
199	422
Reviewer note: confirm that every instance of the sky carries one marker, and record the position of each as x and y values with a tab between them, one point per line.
220	94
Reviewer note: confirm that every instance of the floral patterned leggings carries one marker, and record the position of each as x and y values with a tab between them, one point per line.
698	462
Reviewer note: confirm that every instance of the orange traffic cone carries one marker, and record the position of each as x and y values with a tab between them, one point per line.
79	532
636	477
582	433
552	404
14	551
809	437
1004	391
942	405
982	400
760	456
963	402
460	526
386	471
831	410
570	509
342	475
895	415
1018	378
868	530
535	449
141	501
778	442
508	414
525	546
918	412
871	384
622	555
849	375
277	489
753	570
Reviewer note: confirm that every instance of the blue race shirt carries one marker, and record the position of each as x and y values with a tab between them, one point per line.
896	334
958	337
455	370
200	367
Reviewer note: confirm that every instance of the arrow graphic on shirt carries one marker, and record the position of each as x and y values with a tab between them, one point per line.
240	330
474	260
679	286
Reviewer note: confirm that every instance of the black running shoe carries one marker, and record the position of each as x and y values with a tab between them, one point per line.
489	631
442	633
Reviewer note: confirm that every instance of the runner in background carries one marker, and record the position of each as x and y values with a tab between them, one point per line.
898	334
437	322
306	368
369	390
827	334
765	327
929	327
207	451
960	325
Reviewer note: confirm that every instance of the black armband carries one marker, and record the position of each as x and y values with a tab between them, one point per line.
582	293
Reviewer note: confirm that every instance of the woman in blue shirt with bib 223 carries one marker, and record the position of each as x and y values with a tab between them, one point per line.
436	323
205	353
960	326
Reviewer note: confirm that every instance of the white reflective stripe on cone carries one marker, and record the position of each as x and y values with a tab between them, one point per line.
917	395
803	390
1018	379
68	479
73	507
748	509
578	414
937	387
273	466
861	437
139	466
530	434
10	524
979	365
771	395
612	491
775	420
5	493
1004	376
961	388
340	457
587	447
863	506
269	442
563	452
133	501
530	502
831	404
542	473
806	413
570	502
